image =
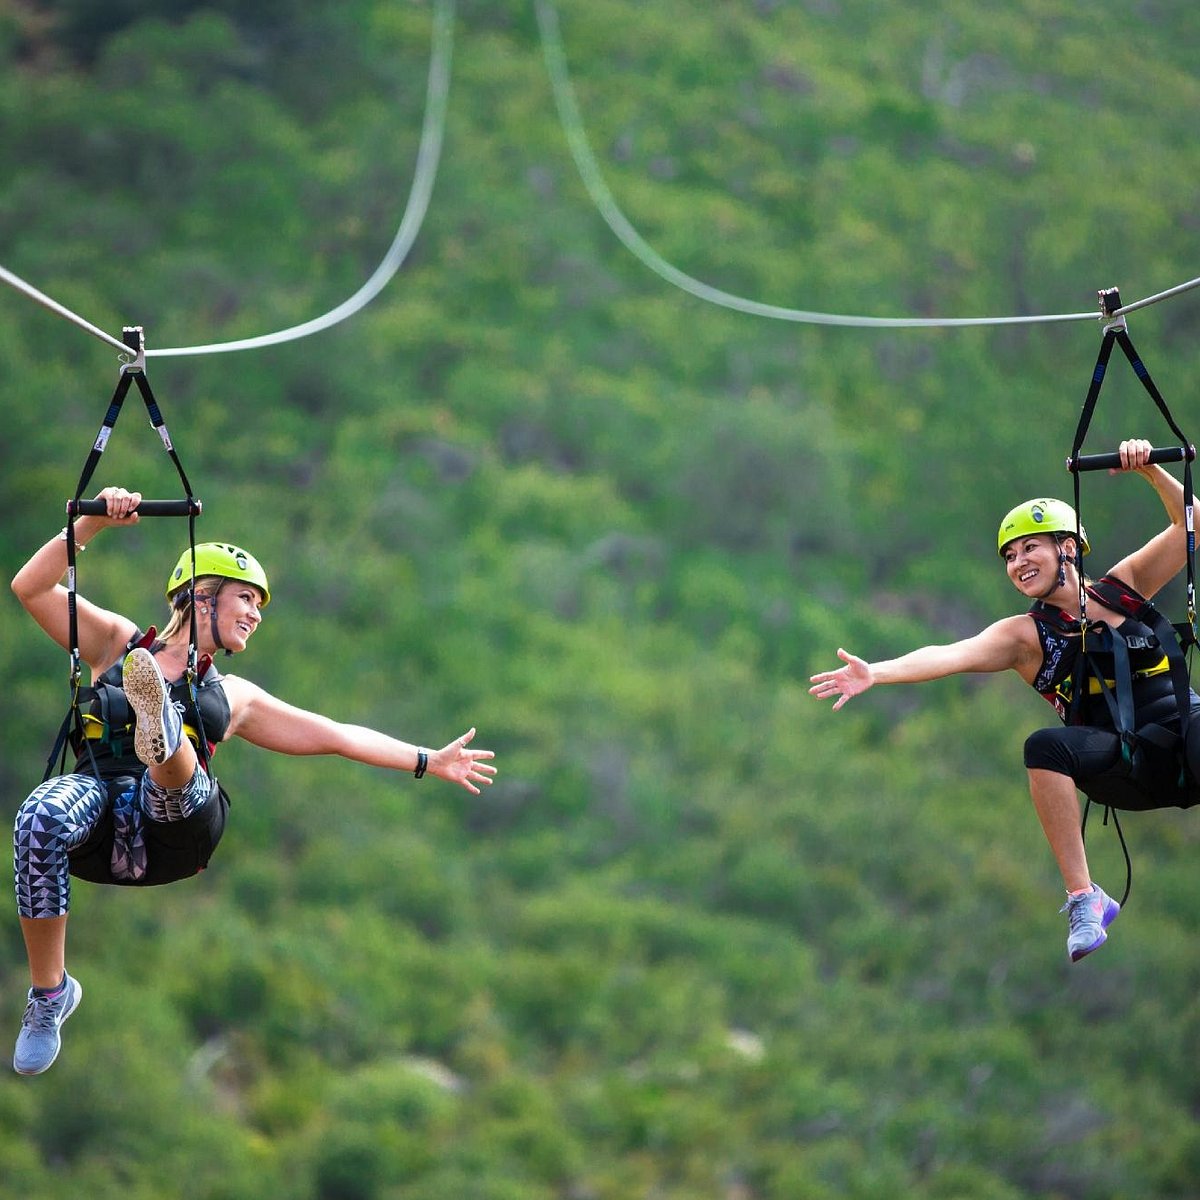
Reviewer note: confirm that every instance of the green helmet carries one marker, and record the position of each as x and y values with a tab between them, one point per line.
220	558
1040	516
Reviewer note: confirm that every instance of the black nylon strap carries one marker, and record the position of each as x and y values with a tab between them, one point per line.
1087	807
1116	333
130	373
1123	680
1139	369
89	467
1081	429
1093	392
1173	640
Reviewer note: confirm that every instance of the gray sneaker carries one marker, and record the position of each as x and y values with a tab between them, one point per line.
38	1042
1088	917
158	726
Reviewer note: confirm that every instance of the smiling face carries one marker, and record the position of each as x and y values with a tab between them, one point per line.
1032	562
238	613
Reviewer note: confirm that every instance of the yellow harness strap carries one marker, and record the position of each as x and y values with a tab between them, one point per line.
1158	669
93	730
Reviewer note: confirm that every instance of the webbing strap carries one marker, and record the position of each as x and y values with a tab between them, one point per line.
1119	698
1169	635
1173	639
1139	369
132	372
1120	836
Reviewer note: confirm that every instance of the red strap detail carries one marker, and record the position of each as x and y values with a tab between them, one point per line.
1049	615
1112	593
147	639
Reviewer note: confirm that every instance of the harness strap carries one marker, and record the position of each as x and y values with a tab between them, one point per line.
131	372
1139	369
1174	640
1081	429
1117	332
1119	699
1120	837
1095	686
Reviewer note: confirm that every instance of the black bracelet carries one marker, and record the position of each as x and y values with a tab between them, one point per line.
422	763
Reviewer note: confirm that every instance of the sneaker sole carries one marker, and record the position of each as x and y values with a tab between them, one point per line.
146	692
58	1043
1112	910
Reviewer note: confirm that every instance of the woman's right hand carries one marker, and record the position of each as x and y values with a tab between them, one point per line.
851	680
122	510
122	505
38	586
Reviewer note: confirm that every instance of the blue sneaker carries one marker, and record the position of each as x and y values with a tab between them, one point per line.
39	1042
158	727
1088	916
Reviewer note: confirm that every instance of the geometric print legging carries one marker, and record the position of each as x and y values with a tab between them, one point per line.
62	813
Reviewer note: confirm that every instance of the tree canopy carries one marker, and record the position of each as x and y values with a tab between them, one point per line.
703	938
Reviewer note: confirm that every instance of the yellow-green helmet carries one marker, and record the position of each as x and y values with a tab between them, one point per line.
1040	516
219	558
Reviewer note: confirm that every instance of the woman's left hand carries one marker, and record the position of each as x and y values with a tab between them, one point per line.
457	764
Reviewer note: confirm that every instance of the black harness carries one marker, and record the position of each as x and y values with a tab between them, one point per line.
1096	640
109	720
177	849
1082	661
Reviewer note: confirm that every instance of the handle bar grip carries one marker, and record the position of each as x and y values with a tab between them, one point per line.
147	508
1104	462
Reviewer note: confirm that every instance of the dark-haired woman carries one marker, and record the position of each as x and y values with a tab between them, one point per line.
1042	545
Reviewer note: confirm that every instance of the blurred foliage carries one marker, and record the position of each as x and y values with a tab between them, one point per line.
703	938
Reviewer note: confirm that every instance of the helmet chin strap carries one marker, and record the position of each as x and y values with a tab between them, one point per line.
1061	579
212	623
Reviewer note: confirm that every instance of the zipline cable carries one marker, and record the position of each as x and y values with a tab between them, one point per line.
593	180
428	157
1128	308
15	281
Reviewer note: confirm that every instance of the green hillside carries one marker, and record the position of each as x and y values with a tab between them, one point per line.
703	939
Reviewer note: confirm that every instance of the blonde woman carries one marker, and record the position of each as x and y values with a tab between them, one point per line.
142	807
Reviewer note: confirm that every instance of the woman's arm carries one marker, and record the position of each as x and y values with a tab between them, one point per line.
102	634
1010	643
1150	568
266	721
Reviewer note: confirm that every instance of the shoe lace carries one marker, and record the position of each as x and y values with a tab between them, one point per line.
41	1014
1077	911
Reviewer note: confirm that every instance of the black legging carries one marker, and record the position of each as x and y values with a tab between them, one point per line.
1091	756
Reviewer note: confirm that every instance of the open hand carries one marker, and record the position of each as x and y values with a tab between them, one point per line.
457	764
851	680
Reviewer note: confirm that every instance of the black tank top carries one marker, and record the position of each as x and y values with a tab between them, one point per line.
1060	638
110	719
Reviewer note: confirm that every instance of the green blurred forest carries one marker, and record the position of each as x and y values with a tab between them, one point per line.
703	939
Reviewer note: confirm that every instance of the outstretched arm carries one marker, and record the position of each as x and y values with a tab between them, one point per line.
266	721
102	634
1153	566
1003	645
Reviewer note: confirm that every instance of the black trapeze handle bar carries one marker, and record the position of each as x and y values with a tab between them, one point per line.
147	508
1104	462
